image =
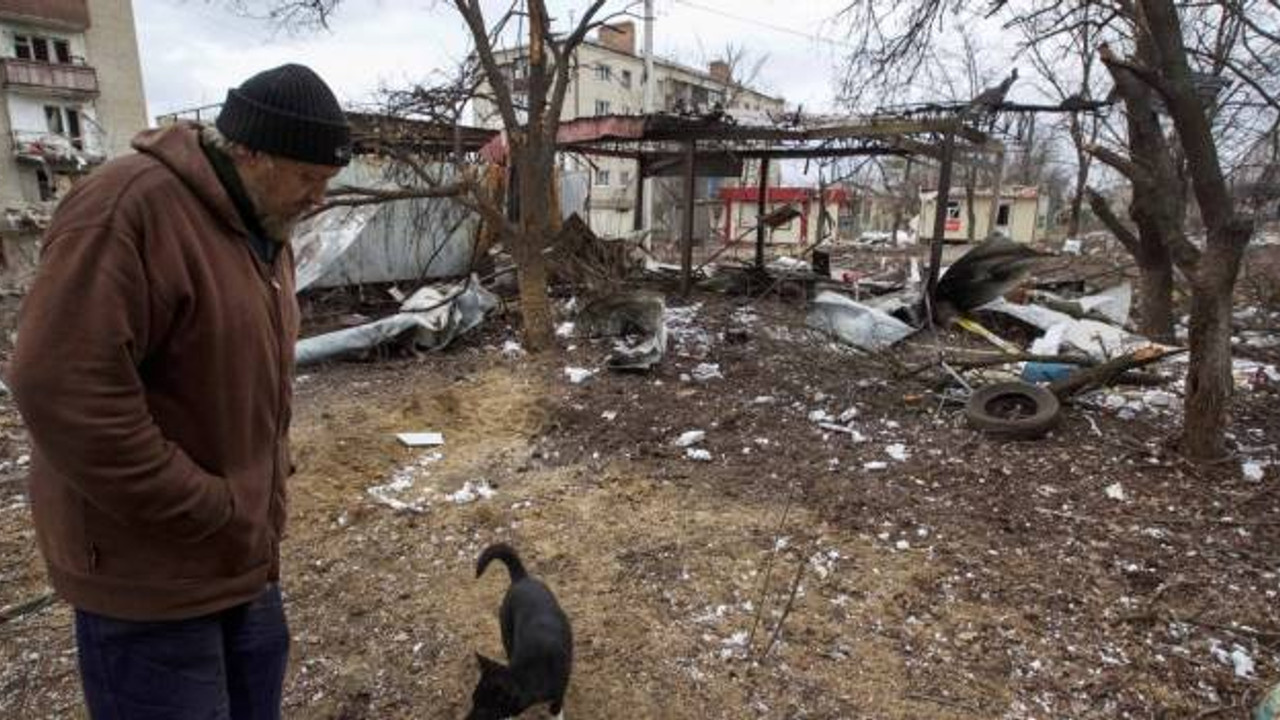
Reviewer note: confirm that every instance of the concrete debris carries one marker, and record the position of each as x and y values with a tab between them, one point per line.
706	371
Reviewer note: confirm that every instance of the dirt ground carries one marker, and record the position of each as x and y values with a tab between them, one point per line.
967	578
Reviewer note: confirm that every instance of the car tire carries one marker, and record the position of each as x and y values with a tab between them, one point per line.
1014	410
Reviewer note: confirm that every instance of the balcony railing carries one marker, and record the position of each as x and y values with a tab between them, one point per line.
53	78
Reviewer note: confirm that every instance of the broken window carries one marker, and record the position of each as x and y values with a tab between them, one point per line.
604	72
1002	215
953	210
602	107
40	49
44	183
62	51
602	177
53	119
624	78
22	47
73	128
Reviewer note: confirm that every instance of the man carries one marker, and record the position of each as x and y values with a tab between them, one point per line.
153	370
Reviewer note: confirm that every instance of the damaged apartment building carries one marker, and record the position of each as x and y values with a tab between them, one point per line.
607	79
70	97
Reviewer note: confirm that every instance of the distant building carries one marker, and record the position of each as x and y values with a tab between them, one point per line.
803	219
607	79
70	93
1020	217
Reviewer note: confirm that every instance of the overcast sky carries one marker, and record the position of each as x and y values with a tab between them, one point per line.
193	50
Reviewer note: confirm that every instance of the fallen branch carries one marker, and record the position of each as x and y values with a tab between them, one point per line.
35	604
1108	372
984	360
786	609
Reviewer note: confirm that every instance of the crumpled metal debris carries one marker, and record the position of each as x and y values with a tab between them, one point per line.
854	323
637	319
430	319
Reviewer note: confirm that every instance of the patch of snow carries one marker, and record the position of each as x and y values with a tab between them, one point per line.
692	437
471	492
577	376
1115	491
897	451
697	454
1253	471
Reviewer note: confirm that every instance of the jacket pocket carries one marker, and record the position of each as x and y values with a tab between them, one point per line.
118	550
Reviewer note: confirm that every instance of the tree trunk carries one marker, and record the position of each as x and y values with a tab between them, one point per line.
1209	380
536	171
1150	251
970	199
535	306
1077	200
1155	293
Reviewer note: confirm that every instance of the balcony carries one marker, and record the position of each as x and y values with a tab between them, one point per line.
63	80
58	152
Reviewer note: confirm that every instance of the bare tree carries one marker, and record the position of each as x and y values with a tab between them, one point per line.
1162	42
530	118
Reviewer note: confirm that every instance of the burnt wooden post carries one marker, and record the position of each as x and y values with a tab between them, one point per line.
637	214
686	240
761	192
939	221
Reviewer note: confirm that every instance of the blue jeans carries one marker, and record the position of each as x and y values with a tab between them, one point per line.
225	666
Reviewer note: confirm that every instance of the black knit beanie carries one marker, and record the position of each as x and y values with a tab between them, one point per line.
290	112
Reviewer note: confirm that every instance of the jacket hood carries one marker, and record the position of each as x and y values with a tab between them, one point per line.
177	147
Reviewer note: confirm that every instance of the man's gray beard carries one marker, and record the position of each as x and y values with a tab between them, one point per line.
277	228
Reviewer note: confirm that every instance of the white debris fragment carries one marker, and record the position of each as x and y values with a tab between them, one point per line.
512	350
706	371
897	451
470	492
848	415
697	454
609	415
420	439
565	330
763	400
577	376
1158	399
902	545
690	438
1239	659
1253	471
1115	491
875	465
820	416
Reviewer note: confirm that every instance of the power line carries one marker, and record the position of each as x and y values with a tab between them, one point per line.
761	23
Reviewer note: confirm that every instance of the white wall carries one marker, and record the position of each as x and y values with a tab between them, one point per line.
26	114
